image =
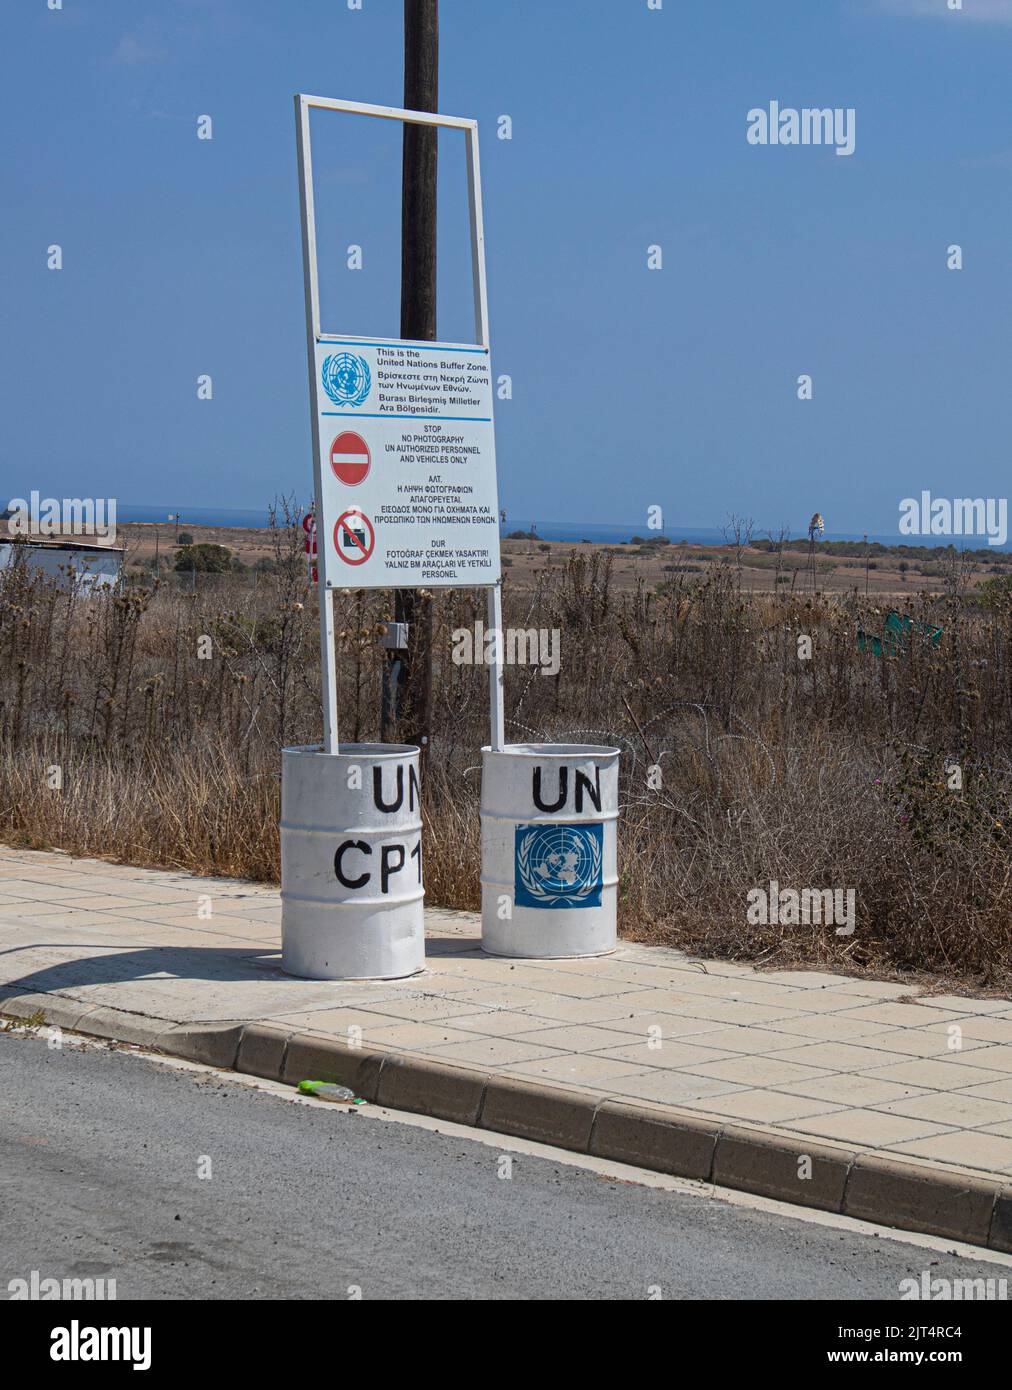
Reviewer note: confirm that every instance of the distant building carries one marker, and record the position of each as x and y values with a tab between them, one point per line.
86	565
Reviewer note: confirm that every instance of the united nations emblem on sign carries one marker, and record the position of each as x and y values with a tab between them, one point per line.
346	378
558	865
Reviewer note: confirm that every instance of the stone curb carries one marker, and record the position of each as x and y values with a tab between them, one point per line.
871	1187
213	1044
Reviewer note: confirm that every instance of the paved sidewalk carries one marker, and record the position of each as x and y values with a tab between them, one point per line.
798	1063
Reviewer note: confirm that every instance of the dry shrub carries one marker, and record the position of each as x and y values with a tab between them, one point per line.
824	813
820	773
196	810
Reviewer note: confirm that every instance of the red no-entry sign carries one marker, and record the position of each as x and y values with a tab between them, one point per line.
350	458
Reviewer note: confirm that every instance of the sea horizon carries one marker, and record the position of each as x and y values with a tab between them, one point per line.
574	531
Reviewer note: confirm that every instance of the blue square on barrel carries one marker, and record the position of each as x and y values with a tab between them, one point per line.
558	866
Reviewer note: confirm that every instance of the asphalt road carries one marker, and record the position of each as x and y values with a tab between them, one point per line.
101	1151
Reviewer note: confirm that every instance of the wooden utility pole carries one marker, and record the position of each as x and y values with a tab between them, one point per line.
418	185
408	707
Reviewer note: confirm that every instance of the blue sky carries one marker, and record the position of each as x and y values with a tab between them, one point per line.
631	387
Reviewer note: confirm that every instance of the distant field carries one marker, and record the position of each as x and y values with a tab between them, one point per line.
889	576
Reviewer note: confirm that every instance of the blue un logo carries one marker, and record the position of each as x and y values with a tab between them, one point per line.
346	378
558	865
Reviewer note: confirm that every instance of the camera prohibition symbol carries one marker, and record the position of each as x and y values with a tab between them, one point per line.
354	537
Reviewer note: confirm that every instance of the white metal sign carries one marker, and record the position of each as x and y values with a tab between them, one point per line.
403	442
406	443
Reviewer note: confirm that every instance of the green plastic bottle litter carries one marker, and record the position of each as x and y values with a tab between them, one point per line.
326	1090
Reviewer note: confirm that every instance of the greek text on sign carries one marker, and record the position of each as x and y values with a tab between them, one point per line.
408	431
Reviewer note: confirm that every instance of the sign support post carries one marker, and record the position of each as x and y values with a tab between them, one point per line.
328	653
481	333
495	674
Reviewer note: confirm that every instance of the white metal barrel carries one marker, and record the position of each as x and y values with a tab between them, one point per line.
549	872
351	863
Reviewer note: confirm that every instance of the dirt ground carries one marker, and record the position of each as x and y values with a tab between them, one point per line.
651	565
144	539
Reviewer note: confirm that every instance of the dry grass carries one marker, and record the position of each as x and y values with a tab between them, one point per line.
817	773
196	810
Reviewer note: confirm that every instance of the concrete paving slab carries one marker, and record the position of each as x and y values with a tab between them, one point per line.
936	1075
758	1071
933	1041
571	1067
761	1107
988	1058
672	1054
745	1040
901	1015
706	1007
496	1023
836	1056
990	1090
671	1088
870	1128
961	1003
384	1033
492	1052
574	1037
969	1148
617	1013
847	1089
828	1027
951	1108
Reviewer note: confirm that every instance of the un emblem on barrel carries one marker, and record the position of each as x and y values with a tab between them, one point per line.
558	866
346	378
